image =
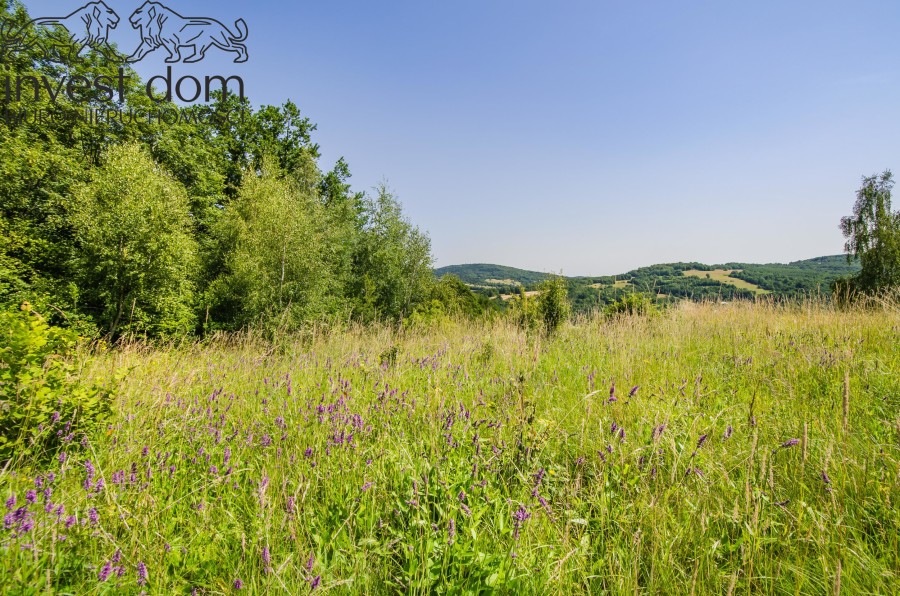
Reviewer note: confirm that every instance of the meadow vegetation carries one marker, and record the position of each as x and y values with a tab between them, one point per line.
707	448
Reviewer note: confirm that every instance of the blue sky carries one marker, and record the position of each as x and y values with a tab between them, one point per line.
586	137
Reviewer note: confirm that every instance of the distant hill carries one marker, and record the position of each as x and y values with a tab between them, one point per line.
491	276
669	281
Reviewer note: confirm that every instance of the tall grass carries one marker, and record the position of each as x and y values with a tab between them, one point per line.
712	449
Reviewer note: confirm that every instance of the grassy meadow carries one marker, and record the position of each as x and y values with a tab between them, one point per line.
711	449
724	276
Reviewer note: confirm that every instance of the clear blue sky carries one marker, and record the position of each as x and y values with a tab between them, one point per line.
588	137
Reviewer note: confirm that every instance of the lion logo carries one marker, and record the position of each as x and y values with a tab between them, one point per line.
87	27
161	26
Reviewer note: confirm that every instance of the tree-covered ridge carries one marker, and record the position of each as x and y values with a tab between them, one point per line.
668	281
486	275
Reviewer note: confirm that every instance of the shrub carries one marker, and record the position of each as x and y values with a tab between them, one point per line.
42	405
553	303
632	304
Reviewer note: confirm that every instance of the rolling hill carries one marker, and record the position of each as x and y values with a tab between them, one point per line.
669	281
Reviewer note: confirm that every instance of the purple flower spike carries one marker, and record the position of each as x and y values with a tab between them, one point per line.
238	584
105	572
728	432
315	582
825	477
701	440
633	391
11	502
790	443
142	573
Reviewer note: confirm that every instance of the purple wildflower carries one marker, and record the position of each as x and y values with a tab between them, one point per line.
62	457
728	432
309	563
266	558
105	571
315	582
633	391
89	475
825	477
11	502
451	531
238	584
790	443
658	431
93	516
70	521
142	573
520	515
366	486
701	440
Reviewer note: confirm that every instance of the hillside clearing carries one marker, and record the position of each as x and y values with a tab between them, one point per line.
724	276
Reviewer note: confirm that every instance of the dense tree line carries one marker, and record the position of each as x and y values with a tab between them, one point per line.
220	223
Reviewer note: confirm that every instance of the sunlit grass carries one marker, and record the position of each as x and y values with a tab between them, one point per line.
469	458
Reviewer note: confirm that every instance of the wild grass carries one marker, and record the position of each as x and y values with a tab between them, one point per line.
713	449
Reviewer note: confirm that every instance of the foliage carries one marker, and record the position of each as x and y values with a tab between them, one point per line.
392	266
635	303
43	403
136	259
553	303
69	201
873	235
276	274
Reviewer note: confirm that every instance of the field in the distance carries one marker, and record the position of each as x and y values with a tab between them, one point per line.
724	276
714	449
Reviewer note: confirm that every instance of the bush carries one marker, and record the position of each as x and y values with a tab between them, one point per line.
553	303
42	406
546	311
632	304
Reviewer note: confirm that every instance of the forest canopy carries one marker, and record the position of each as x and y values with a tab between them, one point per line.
223	220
